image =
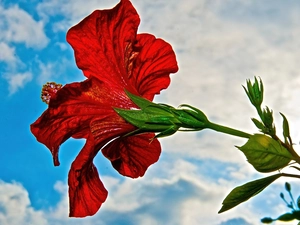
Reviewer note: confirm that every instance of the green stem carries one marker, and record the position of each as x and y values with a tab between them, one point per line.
289	148
259	111
228	130
290	175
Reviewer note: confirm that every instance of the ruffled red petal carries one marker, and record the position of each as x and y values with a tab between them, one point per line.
86	191
114	58
131	156
106	46
152	66
100	42
73	108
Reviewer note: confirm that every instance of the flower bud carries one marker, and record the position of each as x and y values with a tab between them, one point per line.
255	92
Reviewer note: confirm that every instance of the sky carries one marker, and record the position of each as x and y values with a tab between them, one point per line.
218	44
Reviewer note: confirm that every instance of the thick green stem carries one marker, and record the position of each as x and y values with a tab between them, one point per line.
228	130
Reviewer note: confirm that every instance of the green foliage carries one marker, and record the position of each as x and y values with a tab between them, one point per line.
265	154
255	92
243	193
267	118
264	151
161	118
293	215
286	130
259	125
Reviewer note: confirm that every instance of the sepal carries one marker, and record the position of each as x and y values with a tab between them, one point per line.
161	118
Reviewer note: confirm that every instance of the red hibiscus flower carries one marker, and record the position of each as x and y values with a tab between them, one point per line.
114	58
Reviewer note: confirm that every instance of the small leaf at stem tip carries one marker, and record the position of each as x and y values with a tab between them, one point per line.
265	154
286	129
244	192
258	124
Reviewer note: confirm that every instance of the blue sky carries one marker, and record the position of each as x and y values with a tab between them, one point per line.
219	44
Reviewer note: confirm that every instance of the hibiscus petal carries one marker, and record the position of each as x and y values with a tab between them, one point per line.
152	66
86	191
106	46
72	109
131	156
100	42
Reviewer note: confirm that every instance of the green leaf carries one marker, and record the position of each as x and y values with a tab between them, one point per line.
243	193
286	129
258	124
265	154
267	220
296	213
286	217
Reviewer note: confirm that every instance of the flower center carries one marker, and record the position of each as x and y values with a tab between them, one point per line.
49	90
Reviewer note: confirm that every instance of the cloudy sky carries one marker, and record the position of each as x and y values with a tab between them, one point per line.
219	44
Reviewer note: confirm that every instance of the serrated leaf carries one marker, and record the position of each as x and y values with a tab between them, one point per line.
244	192
265	154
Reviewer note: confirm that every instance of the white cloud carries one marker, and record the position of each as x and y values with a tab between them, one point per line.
172	192
73	11
47	71
63	46
7	53
216	54
17	26
15	208
58	71
17	81
219	45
